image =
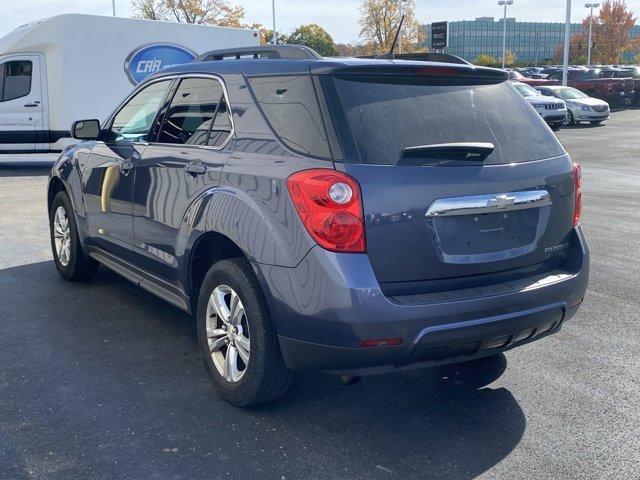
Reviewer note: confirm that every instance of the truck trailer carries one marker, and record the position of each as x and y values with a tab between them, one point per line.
67	67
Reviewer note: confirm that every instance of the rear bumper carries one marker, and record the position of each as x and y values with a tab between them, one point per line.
326	306
448	344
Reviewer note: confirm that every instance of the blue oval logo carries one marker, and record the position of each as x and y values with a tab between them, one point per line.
153	58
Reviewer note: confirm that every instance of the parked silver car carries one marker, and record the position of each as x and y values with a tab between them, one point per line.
552	111
581	107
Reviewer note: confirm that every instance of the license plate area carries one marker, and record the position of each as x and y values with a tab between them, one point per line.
489	228
487	232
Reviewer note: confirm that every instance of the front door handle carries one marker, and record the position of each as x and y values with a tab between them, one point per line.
195	169
126	167
31	105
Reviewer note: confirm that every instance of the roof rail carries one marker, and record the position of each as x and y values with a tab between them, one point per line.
288	52
427	57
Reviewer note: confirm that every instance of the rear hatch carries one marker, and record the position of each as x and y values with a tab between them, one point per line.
463	183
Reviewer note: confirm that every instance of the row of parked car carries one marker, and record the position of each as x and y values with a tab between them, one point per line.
559	105
617	85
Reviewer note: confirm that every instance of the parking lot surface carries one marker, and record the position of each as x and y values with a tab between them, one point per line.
105	381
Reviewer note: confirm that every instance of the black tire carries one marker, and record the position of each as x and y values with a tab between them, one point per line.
265	378
570	119
556	126
77	266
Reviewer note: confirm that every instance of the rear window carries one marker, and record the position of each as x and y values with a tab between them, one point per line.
386	115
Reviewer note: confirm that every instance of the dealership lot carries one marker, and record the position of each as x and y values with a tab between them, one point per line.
103	380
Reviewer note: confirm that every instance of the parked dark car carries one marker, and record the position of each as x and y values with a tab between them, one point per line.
615	91
627	73
532	81
343	215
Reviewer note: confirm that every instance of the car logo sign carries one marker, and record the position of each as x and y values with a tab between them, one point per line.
152	58
501	201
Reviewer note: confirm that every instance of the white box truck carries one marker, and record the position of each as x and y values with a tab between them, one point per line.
68	67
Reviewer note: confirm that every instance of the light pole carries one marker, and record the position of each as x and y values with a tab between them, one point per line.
567	42
504	29
113	7
591	6
274	40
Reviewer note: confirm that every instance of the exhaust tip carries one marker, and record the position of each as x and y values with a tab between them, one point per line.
349	380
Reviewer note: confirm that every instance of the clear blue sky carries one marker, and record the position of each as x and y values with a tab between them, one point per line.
339	17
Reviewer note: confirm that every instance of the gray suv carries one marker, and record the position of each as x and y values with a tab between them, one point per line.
353	216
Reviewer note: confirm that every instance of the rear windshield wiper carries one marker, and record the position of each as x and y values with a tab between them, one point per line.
443	153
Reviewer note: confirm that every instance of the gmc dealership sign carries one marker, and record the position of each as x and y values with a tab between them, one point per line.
439	35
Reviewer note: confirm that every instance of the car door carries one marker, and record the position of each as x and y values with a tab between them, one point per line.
108	173
185	160
21	107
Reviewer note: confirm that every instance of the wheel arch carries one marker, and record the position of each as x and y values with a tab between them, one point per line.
208	248
55	186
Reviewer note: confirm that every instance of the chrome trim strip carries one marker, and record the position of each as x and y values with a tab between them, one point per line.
488	203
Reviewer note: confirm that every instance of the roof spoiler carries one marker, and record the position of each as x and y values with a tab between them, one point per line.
426	57
282	52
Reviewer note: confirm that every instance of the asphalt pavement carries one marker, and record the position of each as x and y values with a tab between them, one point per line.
104	381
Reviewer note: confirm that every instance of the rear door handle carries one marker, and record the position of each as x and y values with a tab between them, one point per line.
195	169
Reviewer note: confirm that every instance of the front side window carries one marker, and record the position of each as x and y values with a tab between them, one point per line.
135	118
289	103
15	79
197	115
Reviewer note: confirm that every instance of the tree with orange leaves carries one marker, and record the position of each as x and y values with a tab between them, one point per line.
611	35
611	31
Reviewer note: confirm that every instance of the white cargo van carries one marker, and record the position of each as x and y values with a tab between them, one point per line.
68	67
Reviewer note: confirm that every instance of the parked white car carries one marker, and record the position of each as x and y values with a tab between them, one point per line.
552	110
581	107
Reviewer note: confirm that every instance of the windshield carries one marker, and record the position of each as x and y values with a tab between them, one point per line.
381	116
589	74
526	90
571	93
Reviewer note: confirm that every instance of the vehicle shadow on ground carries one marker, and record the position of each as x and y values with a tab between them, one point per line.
583	125
104	377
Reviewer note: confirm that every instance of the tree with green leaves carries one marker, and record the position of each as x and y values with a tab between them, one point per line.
486	60
316	37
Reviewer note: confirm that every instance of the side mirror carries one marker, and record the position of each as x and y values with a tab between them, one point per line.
86	130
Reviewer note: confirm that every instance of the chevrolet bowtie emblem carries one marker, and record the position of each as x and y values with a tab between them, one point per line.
501	201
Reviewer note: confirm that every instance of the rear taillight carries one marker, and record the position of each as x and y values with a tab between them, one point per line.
577	182
329	204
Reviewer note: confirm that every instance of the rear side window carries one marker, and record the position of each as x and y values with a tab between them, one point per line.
15	79
291	107
385	116
197	115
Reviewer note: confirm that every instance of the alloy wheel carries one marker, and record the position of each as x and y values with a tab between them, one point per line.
228	333
568	119
62	236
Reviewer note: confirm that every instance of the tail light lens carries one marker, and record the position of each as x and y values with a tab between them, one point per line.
577	182
329	204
